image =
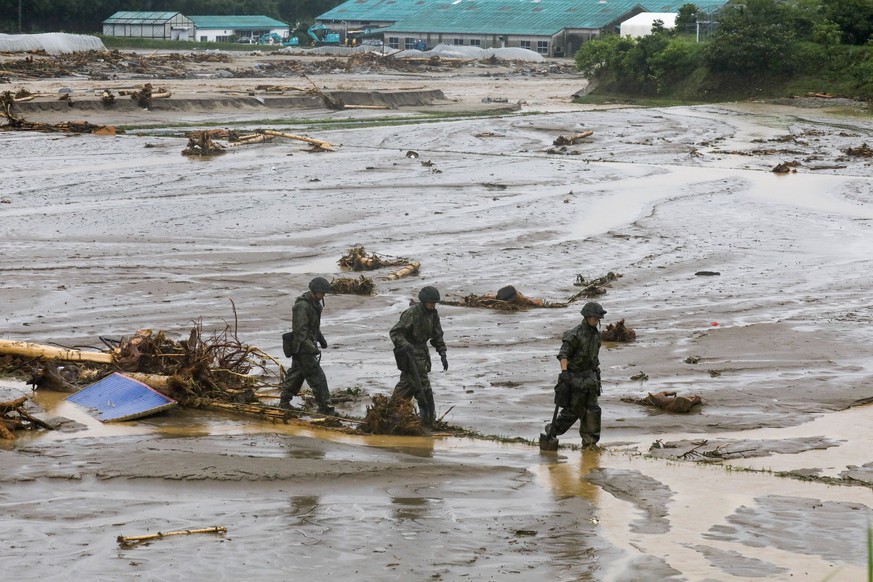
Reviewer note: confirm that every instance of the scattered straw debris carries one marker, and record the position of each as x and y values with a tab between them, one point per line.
350	286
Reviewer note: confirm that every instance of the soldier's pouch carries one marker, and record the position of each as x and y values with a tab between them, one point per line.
287	338
401	359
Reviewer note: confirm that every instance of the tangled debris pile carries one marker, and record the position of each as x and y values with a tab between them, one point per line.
357	259
105	65
202	143
13	416
17	123
194	372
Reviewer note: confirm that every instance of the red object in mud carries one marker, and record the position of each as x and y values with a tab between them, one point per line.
713	323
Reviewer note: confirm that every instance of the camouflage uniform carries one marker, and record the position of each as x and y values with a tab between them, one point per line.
306	357
580	346
417	325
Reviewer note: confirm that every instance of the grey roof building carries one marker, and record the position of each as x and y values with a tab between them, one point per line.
551	27
163	25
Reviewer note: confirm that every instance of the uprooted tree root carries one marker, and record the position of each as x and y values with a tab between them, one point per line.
357	259
349	286
388	415
593	287
618	332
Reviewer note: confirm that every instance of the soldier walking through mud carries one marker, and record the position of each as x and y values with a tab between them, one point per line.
300	345
579	382
410	335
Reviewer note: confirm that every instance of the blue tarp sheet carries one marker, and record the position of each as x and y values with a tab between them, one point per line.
117	397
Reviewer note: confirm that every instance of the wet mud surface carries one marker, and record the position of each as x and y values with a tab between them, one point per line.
105	235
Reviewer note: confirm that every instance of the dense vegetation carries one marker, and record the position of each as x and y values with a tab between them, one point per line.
86	16
758	47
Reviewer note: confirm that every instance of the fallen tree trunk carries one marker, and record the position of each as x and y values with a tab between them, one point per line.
30	350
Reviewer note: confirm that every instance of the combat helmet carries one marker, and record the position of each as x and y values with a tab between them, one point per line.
592	308
319	285
429	295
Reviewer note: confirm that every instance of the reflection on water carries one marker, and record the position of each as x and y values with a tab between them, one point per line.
565	474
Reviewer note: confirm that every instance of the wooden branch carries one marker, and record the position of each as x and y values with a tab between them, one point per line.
12	404
131	541
33	420
316	142
27	349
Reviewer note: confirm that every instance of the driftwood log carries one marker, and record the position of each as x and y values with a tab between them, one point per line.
31	350
410	269
565	140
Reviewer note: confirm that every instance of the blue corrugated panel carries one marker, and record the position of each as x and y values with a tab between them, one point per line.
236	22
117	397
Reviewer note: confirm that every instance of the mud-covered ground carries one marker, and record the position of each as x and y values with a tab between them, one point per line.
105	235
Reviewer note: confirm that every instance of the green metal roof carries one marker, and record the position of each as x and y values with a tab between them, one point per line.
376	10
237	22
708	6
127	17
525	17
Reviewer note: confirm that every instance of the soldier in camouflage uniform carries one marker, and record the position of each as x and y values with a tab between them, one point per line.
305	355
579	382
417	325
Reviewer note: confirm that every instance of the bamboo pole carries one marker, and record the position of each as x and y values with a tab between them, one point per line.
31	350
130	541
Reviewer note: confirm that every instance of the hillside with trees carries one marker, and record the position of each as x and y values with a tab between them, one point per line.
86	16
757	48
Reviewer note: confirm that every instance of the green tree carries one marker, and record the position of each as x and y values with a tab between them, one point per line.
752	38
854	17
602	54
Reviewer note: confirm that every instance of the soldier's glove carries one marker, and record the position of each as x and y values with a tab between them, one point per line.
564	377
445	361
323	343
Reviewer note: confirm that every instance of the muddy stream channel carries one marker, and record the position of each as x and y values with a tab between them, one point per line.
769	479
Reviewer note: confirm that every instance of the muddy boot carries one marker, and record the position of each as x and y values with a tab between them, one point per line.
326	409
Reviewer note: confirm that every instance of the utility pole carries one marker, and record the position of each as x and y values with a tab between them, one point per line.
19	16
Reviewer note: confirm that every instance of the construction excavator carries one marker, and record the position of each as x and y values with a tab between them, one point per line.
322	35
